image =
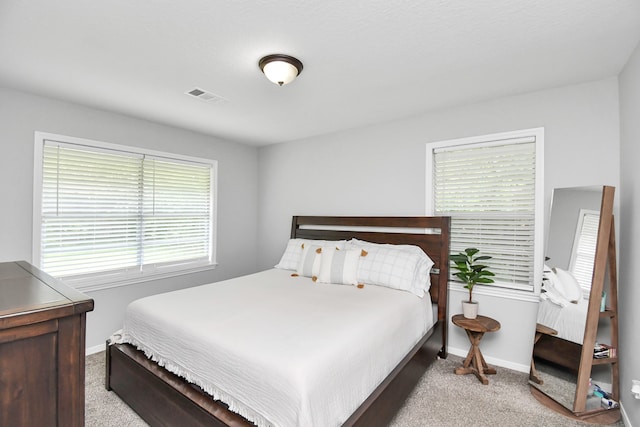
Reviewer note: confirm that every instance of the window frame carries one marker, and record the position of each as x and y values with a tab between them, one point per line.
124	276
492	140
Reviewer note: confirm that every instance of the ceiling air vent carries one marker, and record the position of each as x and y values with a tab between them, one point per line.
206	96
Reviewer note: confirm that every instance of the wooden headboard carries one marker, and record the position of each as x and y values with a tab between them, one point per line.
429	233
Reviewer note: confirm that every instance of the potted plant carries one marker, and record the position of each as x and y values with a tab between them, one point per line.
471	273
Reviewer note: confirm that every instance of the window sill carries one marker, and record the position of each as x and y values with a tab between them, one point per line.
101	283
494	291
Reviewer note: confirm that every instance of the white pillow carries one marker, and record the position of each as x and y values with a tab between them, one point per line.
568	285
339	266
291	256
404	267
309	265
553	288
409	248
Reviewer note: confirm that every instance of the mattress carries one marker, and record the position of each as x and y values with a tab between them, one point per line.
280	350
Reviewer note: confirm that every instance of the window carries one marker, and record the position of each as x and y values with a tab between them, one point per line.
491	186
106	215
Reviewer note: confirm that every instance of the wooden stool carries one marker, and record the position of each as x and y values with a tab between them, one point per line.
475	329
540	330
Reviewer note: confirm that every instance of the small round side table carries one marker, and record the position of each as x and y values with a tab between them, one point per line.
475	329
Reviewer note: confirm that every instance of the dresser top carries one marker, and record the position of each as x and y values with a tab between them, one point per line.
25	289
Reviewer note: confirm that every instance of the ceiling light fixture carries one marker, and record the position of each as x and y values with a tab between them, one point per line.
280	69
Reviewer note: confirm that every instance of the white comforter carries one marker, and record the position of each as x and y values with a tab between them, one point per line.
568	320
281	350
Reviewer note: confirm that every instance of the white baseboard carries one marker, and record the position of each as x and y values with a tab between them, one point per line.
95	349
492	360
625	417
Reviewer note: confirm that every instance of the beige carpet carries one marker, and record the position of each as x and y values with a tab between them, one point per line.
441	399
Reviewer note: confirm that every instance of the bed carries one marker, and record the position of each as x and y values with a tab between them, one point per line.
391	371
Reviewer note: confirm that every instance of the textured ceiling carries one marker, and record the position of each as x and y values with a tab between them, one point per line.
364	61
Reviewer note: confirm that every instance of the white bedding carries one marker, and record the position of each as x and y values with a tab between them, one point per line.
281	350
569	320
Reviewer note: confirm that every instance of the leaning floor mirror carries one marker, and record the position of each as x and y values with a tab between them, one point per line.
574	367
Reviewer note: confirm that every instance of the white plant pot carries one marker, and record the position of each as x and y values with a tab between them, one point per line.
470	309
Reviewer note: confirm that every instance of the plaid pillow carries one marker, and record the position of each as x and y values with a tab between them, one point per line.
403	267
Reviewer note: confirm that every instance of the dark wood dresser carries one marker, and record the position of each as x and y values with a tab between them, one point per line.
42	349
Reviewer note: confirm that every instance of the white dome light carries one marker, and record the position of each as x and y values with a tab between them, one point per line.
280	69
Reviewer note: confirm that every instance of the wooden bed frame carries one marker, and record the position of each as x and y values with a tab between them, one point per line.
164	399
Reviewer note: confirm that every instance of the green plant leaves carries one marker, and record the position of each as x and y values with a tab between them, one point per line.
469	271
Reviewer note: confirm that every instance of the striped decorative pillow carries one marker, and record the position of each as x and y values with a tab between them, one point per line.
292	254
309	265
339	266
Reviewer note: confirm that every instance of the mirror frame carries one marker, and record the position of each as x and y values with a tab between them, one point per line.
605	257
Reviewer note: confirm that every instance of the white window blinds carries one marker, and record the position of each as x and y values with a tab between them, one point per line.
489	190
583	252
119	214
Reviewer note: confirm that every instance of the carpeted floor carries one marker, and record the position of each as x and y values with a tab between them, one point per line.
441	399
103	408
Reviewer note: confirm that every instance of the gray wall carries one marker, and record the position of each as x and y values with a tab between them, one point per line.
22	114
377	170
628	284
380	170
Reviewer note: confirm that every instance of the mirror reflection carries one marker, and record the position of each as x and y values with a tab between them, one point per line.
564	299
571	246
